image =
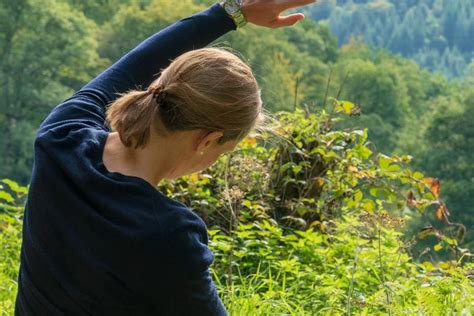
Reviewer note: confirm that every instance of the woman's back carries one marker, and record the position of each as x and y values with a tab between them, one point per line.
100	242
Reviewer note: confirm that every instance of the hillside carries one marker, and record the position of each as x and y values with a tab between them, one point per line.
438	34
359	203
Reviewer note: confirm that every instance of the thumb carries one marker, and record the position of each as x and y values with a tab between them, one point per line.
288	20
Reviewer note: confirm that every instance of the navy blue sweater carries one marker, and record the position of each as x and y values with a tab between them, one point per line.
101	243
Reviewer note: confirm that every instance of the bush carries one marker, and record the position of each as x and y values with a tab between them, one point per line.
308	220
311	222
11	200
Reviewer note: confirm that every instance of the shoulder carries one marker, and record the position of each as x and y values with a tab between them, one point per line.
75	130
184	226
178	217
82	109
186	242
75	140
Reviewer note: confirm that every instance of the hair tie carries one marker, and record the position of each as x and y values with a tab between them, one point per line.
158	94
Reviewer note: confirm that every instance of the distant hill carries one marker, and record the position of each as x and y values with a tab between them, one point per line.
438	34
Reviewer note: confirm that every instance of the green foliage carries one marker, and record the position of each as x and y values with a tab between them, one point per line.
136	21
47	51
344	272
11	213
50	48
312	223
451	158
307	221
99	10
322	179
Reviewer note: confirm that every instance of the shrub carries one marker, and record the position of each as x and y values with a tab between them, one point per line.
310	221
11	211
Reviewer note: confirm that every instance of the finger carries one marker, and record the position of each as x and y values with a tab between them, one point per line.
289	4
288	20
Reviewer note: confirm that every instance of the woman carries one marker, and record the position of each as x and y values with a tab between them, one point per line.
98	238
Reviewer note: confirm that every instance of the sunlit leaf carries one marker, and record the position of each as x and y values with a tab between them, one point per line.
347	107
6	196
418	175
249	141
374	192
369	206
385	162
15	187
353	169
439	212
447	265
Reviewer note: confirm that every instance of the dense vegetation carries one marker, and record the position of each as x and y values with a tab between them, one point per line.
438	34
317	229
50	48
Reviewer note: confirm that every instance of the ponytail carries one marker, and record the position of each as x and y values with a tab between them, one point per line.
132	116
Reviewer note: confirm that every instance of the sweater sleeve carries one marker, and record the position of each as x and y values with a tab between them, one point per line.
139	68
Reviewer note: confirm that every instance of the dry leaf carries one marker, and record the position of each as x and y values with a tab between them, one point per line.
439	212
434	184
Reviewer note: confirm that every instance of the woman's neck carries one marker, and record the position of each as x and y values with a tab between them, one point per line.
152	163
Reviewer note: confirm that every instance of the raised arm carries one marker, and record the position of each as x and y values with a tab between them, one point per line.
139	68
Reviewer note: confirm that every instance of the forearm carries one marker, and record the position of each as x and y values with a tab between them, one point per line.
140	67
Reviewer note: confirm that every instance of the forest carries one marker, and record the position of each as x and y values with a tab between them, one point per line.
436	33
367	207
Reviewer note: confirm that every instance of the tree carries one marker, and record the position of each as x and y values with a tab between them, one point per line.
449	157
136	21
47	51
381	92
100	11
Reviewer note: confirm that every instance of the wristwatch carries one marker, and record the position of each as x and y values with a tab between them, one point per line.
234	10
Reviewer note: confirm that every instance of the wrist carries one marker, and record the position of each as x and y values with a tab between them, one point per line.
233	9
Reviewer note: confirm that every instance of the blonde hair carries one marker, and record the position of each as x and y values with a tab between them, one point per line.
208	88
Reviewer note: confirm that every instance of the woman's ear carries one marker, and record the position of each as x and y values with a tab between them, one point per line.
206	140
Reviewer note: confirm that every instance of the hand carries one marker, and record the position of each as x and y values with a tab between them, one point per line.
267	12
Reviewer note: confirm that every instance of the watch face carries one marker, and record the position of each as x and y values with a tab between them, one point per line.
232	6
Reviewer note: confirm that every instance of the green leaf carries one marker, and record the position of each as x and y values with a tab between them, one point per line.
358	195
418	175
374	192
394	168
6	196
347	107
15	187
369	206
363	151
385	162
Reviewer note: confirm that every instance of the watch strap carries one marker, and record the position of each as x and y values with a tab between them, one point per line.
238	17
